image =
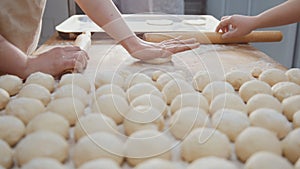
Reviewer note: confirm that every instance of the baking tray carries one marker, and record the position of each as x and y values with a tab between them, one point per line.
140	23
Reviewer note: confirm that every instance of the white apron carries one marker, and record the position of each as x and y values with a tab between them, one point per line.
21	21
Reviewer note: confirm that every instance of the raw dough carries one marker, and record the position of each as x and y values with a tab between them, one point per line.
291	106
212	163
237	78
93	123
166	77
109	89
227	101
141	89
36	91
69	108
195	22
293	75
291	146
102	163
44	163
4	98
194	99
72	91
263	101
156	163
98	145
283	90
204	142
156	74
253	87
146	144
41	144
108	77
6	155
75	79
141	118
256	71
186	119
297	165
159	22
230	122
203	78
50	122
267	160
215	88
255	139
271	120
158	61
11	129
42	79
296	119
113	106
11	83
273	76
24	108
137	78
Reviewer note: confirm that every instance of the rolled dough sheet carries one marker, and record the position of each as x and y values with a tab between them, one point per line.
159	22
195	22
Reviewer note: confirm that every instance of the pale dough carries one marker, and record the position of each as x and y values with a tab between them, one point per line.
291	146
6	155
44	163
283	90
76	79
158	60
253	87
297	165
159	22
113	106
11	129
156	163
271	120
11	83
137	78
24	108
43	79
186	119
256	71
195	22
227	101
72	91
36	91
202	78
273	76
50	122
291	106
92	123
231	122
108	77
102	163
267	160
215	88
141	118
212	163
296	119
293	75
263	101
109	89
164	78
41	144
98	145
207	142
237	78
146	144
70	108
141	89
156	74
255	139
4	98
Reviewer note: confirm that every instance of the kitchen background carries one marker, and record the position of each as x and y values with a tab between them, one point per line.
287	52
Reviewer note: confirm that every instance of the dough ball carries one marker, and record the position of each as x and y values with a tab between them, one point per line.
296	119
230	122
142	117
215	88
42	79
212	163
72	91
297	165
11	83
50	122
273	76
70	108
45	163
141	89
113	106
24	108
164	78
6	155
255	139
156	163
156	74
256	71
41	144
109	89
293	75
267	160
283	90
194	99
203	78
137	78
146	144
272	120
291	106
151	101
263	101
253	87
291	145
75	79
158	61
36	91
108	77
11	129
227	101
93	123
176	87
186	119
237	78
4	98
204	142
98	145
102	163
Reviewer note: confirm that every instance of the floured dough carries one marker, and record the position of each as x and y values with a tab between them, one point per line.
12	129
158	60
156	74
273	76
137	78
72	91
102	163
212	163
293	75
291	106
75	79
296	119
297	165
141	89
108	77
215	88
159	22
237	78
284	90
291	145
256	71
42	162
195	22
6	155
263	101
4	98
253	87
43	79
36	91
227	101
11	83
156	163
164	78
202	78
109	89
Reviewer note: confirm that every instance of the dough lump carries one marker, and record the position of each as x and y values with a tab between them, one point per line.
291	145
253	87
11	129
237	78
4	98
263	101
101	163
296	119
108	77
141	89
283	90
75	79
11	83
72	91
215	88
42	162
293	75
109	89
42	79
6	155
212	163
36	91
158	61
291	106
273	76
202	78
227	101
156	163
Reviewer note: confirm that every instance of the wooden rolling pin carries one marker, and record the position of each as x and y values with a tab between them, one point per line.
83	41
216	38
